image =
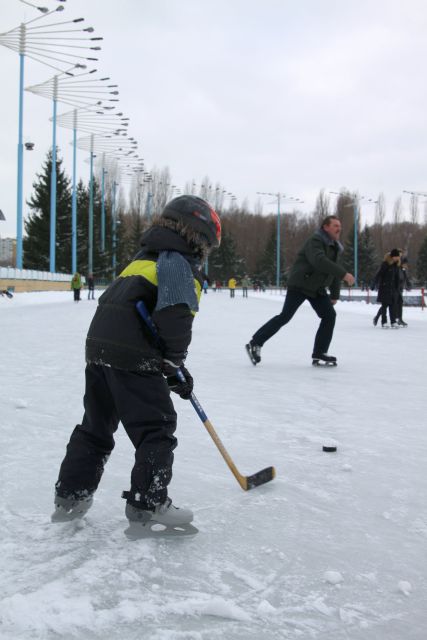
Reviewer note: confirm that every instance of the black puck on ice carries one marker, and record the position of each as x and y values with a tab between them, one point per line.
329	449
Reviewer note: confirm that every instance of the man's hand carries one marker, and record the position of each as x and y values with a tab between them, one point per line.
349	279
183	388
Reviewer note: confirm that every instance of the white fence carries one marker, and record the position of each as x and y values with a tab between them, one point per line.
9	273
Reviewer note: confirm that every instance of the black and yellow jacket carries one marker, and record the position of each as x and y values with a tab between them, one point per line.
118	337
316	267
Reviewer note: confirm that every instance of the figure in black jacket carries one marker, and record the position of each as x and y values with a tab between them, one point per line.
315	269
404	284
128	378
387	281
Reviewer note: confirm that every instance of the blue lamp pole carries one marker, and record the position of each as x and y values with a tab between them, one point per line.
91	119
356	242
114	230
355	204
279	196
74	199
52	254
24	41
103	204
90	231
108	144
19	220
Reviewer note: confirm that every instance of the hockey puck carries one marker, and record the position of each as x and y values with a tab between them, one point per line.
329	449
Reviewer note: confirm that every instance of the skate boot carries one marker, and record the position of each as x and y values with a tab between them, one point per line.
164	520
394	325
254	352
384	325
70	508
323	360
375	321
401	323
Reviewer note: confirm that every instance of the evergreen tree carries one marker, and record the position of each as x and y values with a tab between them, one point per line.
366	256
224	262
422	263
267	264
102	260
37	225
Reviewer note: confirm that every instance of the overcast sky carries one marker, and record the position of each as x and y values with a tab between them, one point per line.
260	95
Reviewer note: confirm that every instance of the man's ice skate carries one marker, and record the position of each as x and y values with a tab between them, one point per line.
165	521
323	360
394	325
385	326
375	321
254	352
67	509
402	323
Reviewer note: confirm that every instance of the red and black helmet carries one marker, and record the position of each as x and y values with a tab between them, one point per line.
197	214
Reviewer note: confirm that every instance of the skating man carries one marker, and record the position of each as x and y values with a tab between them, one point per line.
315	269
129	377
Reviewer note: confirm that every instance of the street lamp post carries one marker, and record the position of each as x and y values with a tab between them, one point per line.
280	197
355	203
82	94
109	145
90	119
47	48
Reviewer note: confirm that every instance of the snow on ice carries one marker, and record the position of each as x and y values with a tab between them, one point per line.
316	554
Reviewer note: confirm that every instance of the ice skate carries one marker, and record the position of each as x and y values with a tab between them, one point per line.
165	521
385	326
394	325
67	509
375	321
323	360
402	323
254	352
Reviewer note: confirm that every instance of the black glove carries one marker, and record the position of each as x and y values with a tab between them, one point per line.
183	388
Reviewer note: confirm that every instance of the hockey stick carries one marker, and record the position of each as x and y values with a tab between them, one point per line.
246	482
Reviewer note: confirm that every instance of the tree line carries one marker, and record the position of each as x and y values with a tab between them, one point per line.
249	242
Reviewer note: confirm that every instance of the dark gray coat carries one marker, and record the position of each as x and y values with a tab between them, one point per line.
316	267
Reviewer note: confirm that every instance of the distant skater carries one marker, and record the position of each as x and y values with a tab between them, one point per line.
76	285
315	269
387	281
90	287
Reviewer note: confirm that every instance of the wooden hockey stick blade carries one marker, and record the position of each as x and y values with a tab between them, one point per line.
261	477
246	482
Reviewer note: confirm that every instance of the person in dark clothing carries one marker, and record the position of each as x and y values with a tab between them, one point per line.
128	377
316	268
90	287
404	284
387	281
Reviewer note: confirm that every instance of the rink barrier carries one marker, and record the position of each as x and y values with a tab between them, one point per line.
21	280
414	299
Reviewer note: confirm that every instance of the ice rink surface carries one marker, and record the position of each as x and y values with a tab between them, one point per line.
333	549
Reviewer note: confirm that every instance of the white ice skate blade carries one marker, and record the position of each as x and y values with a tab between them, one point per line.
316	363
62	515
153	529
248	351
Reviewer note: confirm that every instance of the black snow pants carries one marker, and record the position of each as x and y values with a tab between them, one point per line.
321	304
142	403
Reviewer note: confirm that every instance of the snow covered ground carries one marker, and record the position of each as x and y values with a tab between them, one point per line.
334	548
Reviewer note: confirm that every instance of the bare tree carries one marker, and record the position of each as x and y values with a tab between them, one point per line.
380	210
258	207
321	209
413	208
397	210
